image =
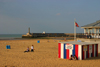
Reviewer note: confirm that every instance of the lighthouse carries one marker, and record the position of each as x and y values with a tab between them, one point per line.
29	30
28	35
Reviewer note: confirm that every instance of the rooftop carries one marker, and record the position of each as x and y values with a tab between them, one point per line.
79	43
92	25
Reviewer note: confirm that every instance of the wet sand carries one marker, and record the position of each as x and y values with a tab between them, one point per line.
45	55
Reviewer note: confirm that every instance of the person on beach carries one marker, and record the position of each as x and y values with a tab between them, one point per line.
27	49
75	58
32	48
71	58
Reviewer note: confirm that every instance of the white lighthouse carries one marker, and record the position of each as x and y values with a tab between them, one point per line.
28	31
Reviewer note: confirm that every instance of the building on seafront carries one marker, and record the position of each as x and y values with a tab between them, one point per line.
92	29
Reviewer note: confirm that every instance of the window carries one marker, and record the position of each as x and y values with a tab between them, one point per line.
86	30
93	30
97	30
90	31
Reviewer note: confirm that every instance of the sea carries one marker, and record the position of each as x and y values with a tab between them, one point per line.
10	36
19	37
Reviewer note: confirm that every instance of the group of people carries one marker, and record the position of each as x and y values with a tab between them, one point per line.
73	57
32	49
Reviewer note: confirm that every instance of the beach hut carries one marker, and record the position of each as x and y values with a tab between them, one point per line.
82	50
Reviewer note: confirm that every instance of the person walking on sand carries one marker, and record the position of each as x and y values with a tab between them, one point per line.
32	48
27	49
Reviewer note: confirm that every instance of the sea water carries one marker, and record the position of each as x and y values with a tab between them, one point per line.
10	36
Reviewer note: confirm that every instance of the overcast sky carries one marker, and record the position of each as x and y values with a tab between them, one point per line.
51	16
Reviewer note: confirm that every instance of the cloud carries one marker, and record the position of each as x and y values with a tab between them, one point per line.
58	14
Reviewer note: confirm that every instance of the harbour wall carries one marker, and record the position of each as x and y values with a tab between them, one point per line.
34	35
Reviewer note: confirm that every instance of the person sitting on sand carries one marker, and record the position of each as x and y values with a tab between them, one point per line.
75	58
71	58
32	48
27	49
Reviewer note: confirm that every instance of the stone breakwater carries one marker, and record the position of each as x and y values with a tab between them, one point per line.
33	35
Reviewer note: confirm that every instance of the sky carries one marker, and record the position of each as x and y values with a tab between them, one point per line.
51	16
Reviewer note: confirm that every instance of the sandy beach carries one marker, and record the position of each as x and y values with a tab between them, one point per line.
45	55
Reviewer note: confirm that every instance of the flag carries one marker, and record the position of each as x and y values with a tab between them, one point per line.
76	24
